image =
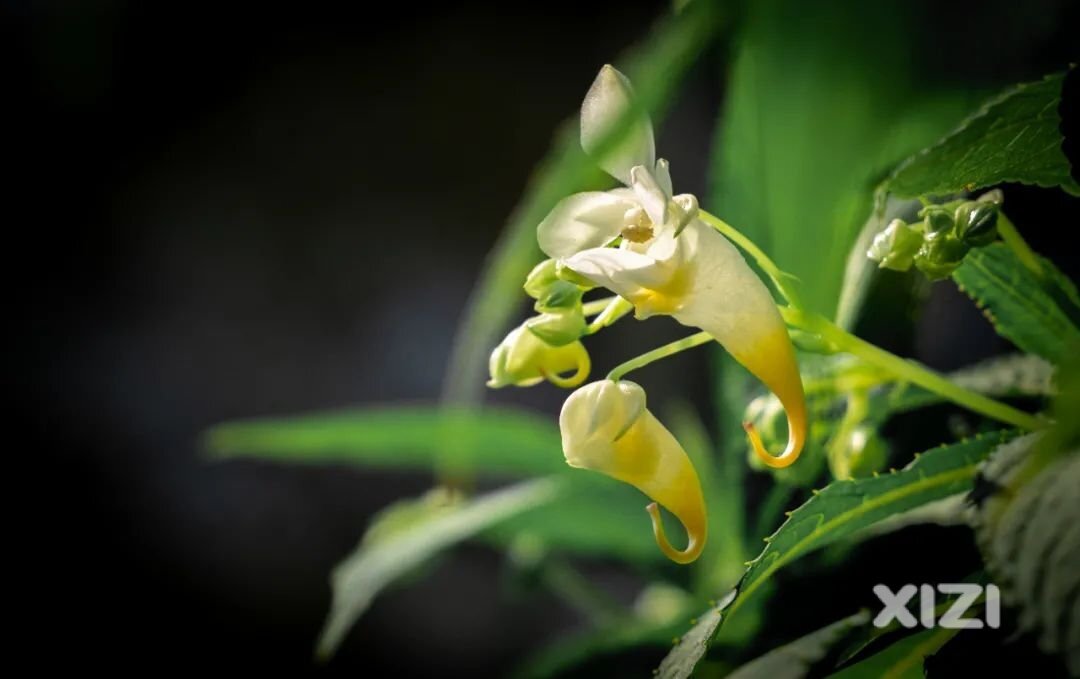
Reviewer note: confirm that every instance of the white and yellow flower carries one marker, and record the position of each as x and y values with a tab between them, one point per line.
649	247
607	428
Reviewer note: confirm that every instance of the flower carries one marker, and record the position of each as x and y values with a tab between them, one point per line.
523	359
606	428
667	261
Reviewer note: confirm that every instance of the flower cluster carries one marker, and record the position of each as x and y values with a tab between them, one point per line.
937	244
649	246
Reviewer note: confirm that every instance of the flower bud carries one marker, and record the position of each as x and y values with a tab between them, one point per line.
523	359
895	247
540	279
976	222
940	254
606	427
937	219
558	327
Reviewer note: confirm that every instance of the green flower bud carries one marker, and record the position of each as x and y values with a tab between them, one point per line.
522	359
895	247
559	295
937	218
976	222
558	327
541	278
940	254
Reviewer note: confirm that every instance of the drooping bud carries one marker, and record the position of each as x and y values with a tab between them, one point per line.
522	359
558	327
896	246
607	428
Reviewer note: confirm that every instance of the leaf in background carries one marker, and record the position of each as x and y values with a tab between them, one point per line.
902	660
656	69
504	441
796	659
1017	375
846	507
1017	304
377	563
594	516
680	662
1015	137
811	126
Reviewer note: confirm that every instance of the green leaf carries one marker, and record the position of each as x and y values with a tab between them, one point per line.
902	660
796	659
680	662
503	441
1019	305
1014	137
379	562
811	126
594	516
844	508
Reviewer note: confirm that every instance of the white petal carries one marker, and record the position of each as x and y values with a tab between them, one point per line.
624	272
608	102
650	194
727	299
594	416
663	175
582	221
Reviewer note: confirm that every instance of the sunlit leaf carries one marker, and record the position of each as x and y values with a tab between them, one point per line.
1017	302
1016	137
842	509
503	441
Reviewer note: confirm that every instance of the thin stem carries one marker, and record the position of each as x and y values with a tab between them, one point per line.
597	305
648	357
1016	243
576	590
617	308
780	278
911	371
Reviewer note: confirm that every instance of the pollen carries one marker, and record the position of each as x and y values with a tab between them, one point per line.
637	234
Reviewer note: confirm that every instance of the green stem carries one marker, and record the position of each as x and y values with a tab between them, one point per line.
616	308
780	278
597	305
1016	243
648	357
911	371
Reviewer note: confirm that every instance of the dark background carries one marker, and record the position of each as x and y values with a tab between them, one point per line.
239	210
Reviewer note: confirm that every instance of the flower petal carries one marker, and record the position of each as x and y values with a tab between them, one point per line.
650	194
624	272
663	176
582	221
609	103
606	428
728	301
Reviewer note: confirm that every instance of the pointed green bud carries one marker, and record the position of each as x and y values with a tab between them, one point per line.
895	247
567	274
541	278
940	254
560	295
936	219
976	222
559	327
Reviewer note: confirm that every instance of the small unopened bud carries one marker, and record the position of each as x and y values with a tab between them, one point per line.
976	222
567	274
937	219
940	254
895	247
558	327
541	278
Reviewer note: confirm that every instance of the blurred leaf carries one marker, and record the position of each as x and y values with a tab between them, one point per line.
503	441
902	660
1015	137
1017	375
843	508
566	654
594	516
375	564
1016	302
811	126
795	660
656	69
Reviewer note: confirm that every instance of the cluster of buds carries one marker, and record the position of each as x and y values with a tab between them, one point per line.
938	243
547	345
